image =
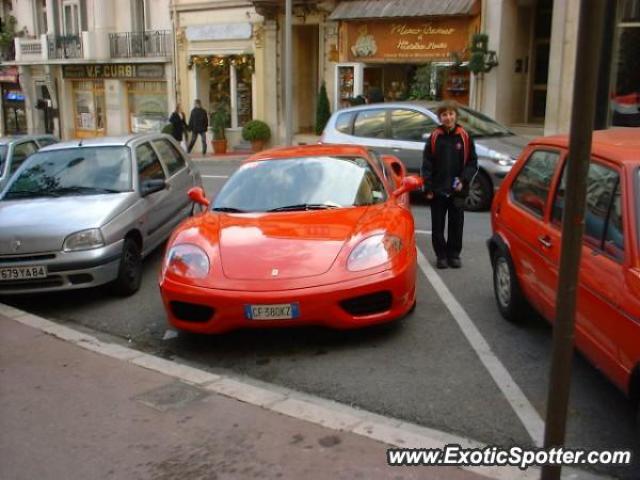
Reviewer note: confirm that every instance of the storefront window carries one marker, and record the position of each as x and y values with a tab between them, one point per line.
148	106
243	94
89	107
220	88
230	79
15	121
346	84
625	97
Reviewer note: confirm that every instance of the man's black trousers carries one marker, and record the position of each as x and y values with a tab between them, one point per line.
194	136
443	206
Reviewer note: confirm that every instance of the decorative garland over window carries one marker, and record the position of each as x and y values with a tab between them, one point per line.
218	61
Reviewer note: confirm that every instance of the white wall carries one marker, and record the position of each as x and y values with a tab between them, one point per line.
23	11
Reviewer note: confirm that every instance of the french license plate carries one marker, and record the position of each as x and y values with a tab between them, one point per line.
23	273
279	311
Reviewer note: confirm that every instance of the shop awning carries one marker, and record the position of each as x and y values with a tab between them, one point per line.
360	9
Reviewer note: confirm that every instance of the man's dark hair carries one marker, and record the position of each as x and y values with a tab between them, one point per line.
447	105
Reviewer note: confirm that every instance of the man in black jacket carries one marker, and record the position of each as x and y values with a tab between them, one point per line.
198	124
448	167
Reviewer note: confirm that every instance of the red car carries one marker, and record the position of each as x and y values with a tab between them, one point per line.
525	248
310	235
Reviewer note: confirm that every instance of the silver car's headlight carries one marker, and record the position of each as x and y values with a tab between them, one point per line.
83	240
501	159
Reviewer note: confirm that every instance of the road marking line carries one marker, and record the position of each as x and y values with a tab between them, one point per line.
306	407
528	415
424	232
214	176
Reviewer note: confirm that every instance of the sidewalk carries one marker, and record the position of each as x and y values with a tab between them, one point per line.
70	413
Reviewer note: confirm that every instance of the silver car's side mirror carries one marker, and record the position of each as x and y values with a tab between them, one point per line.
151	186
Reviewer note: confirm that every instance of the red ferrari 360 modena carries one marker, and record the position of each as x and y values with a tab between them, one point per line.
309	235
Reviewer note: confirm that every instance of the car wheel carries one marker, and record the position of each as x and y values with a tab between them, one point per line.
480	194
509	298
130	270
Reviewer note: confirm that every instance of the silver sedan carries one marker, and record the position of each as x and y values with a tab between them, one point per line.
84	213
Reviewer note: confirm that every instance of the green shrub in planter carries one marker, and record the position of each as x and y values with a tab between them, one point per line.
323	110
256	130
219	120
168	129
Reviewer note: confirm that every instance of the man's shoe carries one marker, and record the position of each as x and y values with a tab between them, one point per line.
455	263
441	263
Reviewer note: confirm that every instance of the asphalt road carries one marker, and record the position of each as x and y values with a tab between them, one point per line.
421	369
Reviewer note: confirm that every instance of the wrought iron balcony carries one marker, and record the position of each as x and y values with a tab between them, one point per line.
67	46
155	43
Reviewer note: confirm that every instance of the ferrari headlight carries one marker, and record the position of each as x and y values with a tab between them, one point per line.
501	159
374	251
187	260
83	240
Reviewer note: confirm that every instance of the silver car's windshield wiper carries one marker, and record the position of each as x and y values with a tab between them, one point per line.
228	209
304	206
30	194
84	189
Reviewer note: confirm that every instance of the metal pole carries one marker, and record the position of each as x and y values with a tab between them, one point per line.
287	73
589	45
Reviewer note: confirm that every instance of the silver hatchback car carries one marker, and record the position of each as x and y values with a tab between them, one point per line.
15	150
401	129
84	213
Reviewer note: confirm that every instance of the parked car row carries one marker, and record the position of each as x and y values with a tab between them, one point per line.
319	234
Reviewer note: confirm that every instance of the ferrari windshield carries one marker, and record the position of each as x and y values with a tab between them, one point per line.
73	171
307	183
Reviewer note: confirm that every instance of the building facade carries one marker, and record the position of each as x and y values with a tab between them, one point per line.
90	68
95	67
536	43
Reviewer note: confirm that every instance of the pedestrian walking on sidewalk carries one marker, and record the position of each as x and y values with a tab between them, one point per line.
179	123
198	124
448	167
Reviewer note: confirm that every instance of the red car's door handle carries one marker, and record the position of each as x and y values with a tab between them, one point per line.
545	241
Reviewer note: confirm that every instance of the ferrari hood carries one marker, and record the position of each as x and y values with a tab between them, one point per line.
284	245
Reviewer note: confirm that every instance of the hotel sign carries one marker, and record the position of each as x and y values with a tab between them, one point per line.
123	71
401	40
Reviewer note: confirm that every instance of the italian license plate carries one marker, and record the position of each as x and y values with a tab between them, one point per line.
279	311
23	273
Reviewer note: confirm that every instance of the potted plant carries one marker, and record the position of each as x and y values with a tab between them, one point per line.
7	34
218	120
257	132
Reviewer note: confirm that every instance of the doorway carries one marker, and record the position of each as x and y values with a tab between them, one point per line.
305	84
540	48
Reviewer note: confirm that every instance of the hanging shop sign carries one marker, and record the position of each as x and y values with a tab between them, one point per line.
9	74
115	71
401	40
